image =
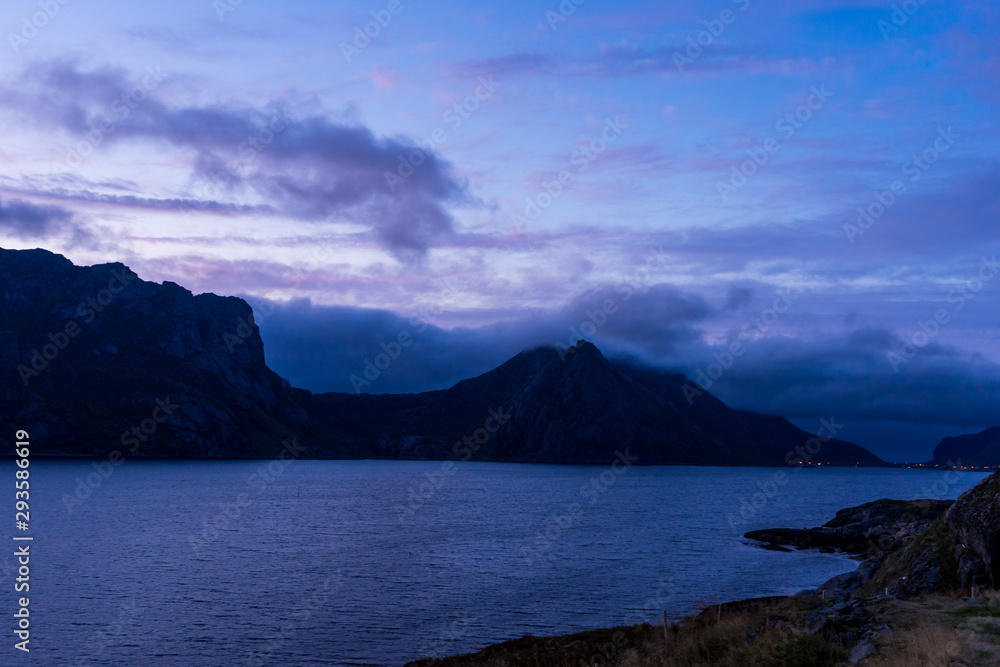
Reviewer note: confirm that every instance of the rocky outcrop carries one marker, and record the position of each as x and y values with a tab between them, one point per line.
912	548
975	521
977	449
96	360
843	585
908	549
879	526
853	617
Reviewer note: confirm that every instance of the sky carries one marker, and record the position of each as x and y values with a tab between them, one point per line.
795	202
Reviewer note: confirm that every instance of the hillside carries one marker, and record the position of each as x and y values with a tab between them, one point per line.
977	449
96	359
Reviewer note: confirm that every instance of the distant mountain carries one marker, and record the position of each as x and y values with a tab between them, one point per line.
95	360
977	449
579	410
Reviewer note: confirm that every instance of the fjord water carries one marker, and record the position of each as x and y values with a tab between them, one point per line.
317	564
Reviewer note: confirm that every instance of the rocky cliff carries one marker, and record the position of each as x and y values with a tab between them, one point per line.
911	548
975	521
976	449
95	359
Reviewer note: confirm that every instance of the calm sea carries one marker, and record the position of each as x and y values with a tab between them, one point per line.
181	564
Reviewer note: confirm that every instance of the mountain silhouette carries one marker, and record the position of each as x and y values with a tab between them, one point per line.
975	449
96	360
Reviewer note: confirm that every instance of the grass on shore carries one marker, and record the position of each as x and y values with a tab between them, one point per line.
749	633
943	630
936	631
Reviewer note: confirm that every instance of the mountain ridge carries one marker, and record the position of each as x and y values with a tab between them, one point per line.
974	449
92	355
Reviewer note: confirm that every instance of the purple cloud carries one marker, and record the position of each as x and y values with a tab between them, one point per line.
26	220
305	167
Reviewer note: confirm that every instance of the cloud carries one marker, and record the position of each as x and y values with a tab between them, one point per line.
321	347
652	320
88	195
627	59
26	220
522	62
306	167
935	227
783	369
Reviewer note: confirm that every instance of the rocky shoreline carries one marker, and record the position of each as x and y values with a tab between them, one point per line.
923	594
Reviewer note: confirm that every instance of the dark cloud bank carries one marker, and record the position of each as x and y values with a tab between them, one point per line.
27	220
846	374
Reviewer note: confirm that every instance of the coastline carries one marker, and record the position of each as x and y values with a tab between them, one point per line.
594	464
939	629
912	600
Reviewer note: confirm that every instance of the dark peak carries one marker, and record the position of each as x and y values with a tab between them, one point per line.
582	352
33	251
40	257
586	346
984	436
981	448
547	360
114	266
172	287
37	255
